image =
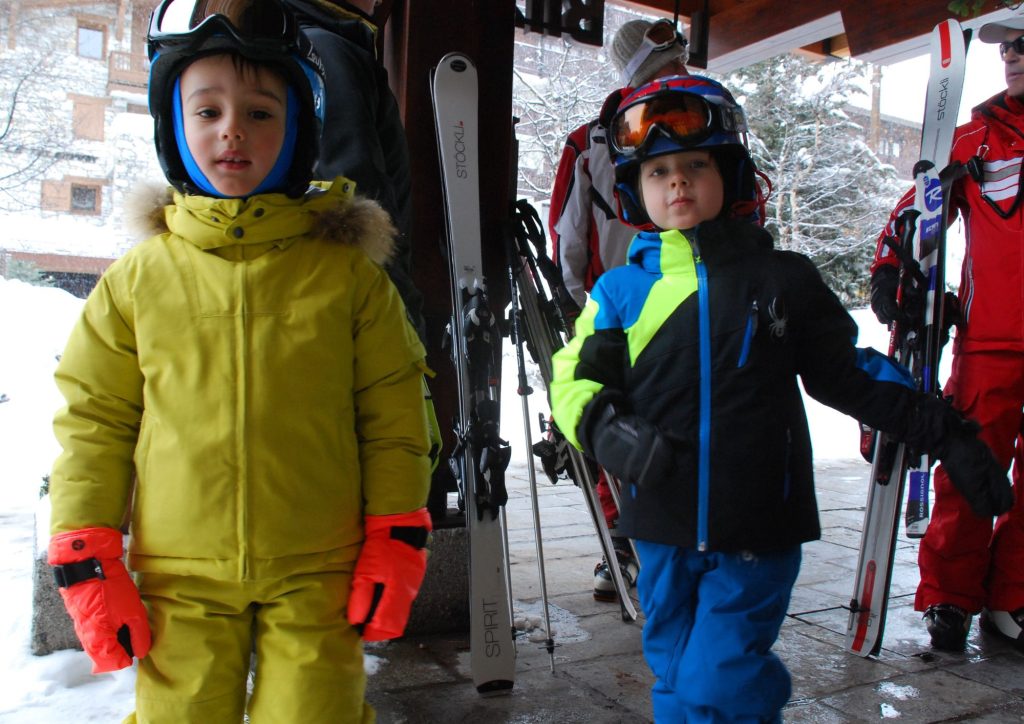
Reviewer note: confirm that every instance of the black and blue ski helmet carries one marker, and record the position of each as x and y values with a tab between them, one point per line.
682	113
263	32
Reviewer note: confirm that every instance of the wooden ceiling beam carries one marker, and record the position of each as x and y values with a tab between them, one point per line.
739	24
745	23
838	46
903	21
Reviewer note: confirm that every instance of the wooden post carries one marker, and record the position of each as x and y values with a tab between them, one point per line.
418	34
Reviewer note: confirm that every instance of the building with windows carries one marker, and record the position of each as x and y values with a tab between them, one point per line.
76	137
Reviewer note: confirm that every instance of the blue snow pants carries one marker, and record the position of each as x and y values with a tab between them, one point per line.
712	619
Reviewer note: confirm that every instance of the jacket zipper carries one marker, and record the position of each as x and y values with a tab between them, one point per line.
704	453
242	434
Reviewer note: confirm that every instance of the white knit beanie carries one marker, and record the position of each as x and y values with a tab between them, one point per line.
629	40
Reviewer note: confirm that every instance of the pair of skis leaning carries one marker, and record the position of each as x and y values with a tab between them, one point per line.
546	329
481	456
922	254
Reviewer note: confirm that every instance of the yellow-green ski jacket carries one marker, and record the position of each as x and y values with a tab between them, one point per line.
246	384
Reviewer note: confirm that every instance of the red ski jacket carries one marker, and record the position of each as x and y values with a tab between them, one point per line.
992	278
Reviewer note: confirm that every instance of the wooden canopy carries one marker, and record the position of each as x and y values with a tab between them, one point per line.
746	31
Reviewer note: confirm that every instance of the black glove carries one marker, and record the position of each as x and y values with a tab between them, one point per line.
937	428
952	315
624	444
884	284
975	473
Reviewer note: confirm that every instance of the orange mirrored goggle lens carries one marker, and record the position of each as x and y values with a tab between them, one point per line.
685	117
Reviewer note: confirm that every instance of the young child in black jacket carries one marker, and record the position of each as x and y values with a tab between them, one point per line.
682	381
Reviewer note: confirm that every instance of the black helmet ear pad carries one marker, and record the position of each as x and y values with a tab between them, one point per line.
739	184
627	191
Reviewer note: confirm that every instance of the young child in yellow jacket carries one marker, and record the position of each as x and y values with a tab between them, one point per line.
245	389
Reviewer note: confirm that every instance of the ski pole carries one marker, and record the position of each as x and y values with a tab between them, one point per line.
524	389
545	328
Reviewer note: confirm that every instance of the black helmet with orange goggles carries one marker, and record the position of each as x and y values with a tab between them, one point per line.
682	113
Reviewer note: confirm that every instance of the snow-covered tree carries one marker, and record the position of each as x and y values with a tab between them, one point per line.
28	272
34	78
831	194
558	85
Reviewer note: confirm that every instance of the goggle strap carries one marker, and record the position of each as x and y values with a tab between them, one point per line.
642	54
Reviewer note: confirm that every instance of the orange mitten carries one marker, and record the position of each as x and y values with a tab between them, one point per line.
388	573
101	597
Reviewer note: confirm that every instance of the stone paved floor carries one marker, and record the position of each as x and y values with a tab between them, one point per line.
600	675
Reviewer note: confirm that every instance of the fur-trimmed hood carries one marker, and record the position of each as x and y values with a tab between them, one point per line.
329	210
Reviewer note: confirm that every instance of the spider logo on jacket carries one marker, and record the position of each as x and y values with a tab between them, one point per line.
777	313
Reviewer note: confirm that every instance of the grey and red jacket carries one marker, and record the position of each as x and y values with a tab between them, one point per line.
992	277
587	235
706	336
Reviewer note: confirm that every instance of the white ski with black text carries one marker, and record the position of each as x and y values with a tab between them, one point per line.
922	253
481	456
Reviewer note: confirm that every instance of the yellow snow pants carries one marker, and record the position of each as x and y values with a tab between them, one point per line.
308	659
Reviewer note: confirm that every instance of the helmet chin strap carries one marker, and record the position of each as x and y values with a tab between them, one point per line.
191	167
275	180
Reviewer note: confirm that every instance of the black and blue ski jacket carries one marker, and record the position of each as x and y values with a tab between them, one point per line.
706	335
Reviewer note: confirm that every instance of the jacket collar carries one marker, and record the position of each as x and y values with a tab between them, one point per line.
714	241
1005	110
329	210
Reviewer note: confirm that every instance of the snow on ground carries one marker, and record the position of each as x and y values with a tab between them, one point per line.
34	324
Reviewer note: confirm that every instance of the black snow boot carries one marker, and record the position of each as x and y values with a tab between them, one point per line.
948	626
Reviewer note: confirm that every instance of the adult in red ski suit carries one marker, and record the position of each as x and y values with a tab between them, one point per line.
583	221
965	567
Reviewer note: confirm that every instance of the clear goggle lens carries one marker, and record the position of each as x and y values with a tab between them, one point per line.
250	19
661	35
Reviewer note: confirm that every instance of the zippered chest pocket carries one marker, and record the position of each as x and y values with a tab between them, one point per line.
749	330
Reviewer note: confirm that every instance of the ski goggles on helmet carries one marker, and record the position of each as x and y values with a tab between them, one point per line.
662	35
259	25
688	119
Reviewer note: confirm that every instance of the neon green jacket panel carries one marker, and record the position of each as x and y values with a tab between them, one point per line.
627	307
253	366
569	394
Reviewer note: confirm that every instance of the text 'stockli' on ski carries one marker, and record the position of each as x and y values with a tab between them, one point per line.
481	456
